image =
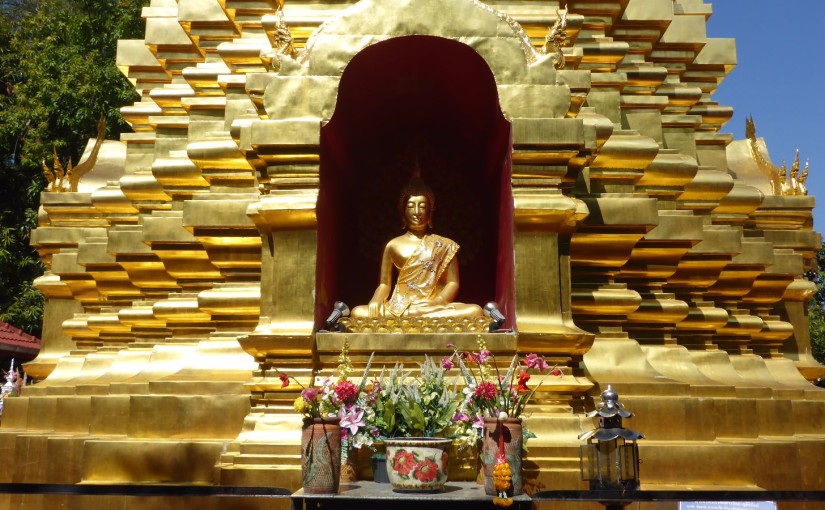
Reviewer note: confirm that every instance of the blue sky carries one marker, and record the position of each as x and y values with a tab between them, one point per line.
778	80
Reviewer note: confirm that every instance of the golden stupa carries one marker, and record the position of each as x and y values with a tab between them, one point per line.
577	155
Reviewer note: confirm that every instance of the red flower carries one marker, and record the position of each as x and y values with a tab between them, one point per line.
426	471
346	392
403	462
486	390
523	377
284	380
557	372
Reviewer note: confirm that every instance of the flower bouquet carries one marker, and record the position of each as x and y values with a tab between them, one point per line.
410	412
335	413
491	409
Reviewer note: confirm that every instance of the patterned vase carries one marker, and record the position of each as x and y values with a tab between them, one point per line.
511	429
321	455
417	464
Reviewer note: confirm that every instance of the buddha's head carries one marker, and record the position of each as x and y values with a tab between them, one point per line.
416	205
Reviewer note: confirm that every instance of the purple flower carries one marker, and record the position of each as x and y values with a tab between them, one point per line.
447	363
463	417
482	357
478	422
451	346
533	360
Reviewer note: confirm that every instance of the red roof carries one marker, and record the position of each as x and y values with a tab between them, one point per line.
16	341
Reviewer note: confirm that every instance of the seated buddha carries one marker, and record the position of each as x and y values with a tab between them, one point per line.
427	268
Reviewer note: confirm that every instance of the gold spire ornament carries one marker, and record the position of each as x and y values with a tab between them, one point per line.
67	179
556	38
783	183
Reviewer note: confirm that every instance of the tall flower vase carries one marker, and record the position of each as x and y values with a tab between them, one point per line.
512	440
321	455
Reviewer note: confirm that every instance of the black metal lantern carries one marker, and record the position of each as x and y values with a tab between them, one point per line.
610	459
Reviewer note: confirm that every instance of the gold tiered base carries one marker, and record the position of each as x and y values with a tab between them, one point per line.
146	414
111	428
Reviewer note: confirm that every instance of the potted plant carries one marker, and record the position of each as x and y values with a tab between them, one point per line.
491	410
320	440
411	413
335	415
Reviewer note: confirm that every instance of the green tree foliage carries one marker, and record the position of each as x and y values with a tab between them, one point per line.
57	76
816	308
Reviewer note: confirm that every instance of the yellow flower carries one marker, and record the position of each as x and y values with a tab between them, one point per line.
503	502
299	404
502	476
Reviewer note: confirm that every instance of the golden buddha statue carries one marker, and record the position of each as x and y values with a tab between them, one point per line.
427	282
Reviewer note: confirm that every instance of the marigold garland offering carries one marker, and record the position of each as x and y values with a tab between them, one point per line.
502	474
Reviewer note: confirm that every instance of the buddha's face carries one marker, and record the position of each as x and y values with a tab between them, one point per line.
417	212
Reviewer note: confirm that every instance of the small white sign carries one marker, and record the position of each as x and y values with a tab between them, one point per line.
727	505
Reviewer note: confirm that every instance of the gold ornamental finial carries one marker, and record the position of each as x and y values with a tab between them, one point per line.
782	182
67	179
283	44
556	38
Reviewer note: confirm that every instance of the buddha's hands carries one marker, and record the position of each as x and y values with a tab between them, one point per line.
374	309
438	301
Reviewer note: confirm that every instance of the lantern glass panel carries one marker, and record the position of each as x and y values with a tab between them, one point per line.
589	461
628	462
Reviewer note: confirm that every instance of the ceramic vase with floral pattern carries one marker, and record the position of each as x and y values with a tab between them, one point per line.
321	455
417	464
511	429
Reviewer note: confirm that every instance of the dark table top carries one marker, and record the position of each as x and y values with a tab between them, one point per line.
367	490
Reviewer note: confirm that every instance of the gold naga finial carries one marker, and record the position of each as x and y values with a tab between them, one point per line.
803	177
556	38
49	177
797	180
59	177
283	44
782	183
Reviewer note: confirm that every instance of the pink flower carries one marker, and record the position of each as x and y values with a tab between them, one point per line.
451	346
478	422
533	360
482	357
351	419
447	363
309	394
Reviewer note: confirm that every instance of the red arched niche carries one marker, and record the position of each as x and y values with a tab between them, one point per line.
415	102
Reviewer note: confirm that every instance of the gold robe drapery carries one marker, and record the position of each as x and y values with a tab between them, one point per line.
418	278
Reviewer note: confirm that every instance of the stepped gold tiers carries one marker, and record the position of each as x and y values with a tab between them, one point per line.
596	198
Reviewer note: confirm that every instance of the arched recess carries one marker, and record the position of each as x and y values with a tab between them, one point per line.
415	102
